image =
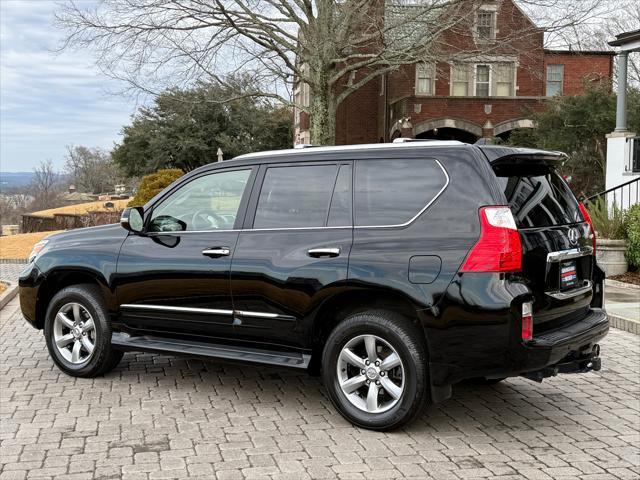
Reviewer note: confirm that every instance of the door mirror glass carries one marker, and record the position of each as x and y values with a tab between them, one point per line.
167	223
132	219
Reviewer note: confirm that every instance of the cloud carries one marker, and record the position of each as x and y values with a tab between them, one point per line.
50	99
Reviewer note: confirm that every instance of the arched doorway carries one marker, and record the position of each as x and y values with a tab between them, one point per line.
448	129
503	130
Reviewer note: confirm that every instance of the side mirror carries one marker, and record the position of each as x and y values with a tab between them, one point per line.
132	219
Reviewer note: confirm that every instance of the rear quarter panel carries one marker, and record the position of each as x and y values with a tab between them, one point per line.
380	258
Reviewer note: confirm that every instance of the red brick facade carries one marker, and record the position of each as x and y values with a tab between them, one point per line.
517	74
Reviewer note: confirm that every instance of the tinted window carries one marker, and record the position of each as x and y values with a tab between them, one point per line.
340	211
209	202
392	192
540	200
293	197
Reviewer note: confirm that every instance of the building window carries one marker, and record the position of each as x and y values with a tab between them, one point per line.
483	78
504	80
306	95
485	28
425	76
555	78
460	80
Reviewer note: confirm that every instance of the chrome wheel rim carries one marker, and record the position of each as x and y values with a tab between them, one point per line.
371	374
74	333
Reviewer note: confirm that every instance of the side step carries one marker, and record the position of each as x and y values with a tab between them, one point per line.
147	343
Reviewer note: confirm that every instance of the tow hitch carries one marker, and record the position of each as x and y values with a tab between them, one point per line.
573	363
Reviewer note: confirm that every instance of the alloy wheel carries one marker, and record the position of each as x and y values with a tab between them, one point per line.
74	333
371	374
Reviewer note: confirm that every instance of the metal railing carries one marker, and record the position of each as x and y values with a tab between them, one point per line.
623	196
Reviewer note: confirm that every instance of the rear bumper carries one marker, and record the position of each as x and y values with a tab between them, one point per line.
570	349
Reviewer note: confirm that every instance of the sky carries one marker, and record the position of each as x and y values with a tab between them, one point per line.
49	100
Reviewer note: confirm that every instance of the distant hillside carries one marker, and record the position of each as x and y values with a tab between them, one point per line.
15	179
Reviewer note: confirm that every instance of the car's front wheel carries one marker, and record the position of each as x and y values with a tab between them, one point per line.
78	334
375	369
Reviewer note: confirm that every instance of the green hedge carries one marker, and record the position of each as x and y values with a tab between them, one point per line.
153	184
632	221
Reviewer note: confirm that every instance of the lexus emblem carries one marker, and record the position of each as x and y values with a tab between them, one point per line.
574	235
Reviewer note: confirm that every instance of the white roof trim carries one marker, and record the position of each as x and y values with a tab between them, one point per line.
351	148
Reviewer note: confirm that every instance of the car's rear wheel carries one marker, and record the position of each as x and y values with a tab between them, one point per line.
375	369
78	334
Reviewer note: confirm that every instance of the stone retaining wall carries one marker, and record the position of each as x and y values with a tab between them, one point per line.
65	221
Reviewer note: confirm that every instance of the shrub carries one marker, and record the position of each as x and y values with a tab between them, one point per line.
608	223
154	183
633	236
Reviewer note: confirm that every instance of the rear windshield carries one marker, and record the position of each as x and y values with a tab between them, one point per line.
538	198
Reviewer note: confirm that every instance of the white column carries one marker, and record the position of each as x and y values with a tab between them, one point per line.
621	107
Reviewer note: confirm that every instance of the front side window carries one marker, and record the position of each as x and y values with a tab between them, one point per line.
460	80
482	80
393	192
424	79
555	79
484	26
295	197
210	202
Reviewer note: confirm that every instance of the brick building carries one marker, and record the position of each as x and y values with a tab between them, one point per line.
466	97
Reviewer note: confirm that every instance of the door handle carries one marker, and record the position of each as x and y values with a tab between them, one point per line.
216	252
323	252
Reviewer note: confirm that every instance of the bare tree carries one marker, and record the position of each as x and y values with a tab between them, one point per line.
45	186
624	16
333	46
12	206
91	169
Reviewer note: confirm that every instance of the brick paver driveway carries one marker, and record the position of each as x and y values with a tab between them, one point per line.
164	417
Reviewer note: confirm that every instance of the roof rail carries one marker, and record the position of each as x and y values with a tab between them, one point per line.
304	145
408	140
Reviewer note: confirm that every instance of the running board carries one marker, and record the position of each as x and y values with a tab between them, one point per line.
123	341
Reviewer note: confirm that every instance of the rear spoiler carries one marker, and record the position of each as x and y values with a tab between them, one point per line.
512	156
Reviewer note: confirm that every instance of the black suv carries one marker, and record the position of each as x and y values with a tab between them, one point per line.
394	270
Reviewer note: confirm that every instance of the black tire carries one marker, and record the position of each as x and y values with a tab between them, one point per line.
407	340
103	358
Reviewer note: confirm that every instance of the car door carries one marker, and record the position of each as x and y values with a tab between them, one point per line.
293	251
174	278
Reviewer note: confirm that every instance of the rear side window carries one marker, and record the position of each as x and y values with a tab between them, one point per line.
294	197
340	211
393	192
539	199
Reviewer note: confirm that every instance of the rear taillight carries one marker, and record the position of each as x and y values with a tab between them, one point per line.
587	218
527	321
498	249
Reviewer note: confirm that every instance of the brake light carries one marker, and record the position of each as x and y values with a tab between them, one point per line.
587	218
498	249
527	321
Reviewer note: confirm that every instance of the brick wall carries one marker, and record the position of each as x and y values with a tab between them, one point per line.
357	119
361	117
580	68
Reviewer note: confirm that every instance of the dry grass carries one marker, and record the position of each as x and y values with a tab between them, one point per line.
19	246
81	208
3	287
